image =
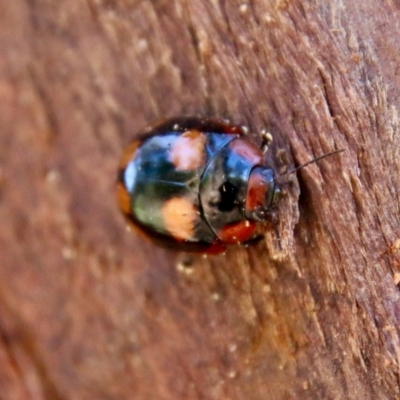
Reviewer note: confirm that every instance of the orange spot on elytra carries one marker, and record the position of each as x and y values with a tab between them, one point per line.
179	217
238	232
123	199
188	151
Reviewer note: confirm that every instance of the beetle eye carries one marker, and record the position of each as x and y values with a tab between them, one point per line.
228	197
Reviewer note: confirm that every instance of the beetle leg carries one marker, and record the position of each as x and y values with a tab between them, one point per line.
253	240
266	140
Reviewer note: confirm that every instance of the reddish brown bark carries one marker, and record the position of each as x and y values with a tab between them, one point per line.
90	311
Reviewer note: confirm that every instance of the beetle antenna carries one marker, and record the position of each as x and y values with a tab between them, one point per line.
331	153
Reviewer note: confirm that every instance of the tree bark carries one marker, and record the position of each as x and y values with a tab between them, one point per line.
89	310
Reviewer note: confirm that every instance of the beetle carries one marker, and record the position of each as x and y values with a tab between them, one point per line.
197	184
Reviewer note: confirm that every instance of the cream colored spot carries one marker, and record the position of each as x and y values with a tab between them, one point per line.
179	216
188	150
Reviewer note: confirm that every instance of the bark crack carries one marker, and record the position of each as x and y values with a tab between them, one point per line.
16	337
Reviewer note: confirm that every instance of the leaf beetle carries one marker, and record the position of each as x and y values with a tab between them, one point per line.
196	185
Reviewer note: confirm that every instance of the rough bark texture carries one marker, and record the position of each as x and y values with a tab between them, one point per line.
90	311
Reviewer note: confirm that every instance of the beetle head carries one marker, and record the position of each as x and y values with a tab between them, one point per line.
262	193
